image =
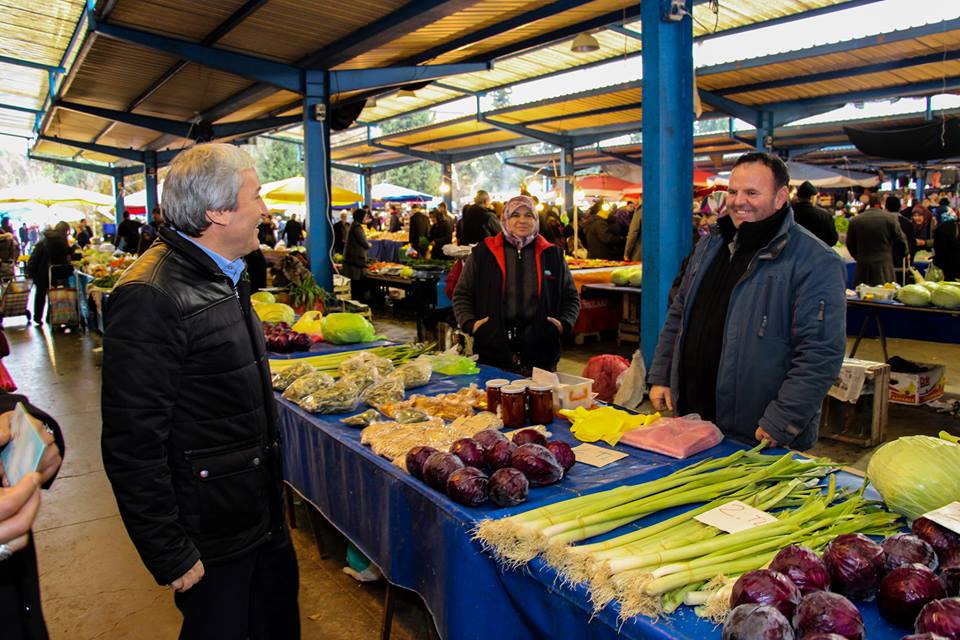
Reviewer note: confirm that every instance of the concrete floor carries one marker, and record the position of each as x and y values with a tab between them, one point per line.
93	583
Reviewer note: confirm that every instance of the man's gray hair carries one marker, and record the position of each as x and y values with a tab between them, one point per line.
206	177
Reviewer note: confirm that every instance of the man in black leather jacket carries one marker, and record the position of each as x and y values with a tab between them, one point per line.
195	463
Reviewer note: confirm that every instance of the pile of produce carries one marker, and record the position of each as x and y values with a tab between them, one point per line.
632	276
491	466
105	267
800	594
594	263
392	440
654	569
448	406
925	293
397	354
917	474
281	338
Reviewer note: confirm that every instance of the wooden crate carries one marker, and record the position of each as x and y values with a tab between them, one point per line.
631	308
628	332
863	422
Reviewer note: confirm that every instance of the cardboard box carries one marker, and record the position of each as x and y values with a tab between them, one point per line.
917	388
569	391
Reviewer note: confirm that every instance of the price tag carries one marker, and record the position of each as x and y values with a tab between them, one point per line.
596	456
735	516
947	516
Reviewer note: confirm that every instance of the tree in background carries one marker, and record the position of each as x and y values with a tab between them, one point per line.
276	160
422	176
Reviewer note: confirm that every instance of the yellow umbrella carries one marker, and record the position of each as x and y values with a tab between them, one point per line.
50	193
292	191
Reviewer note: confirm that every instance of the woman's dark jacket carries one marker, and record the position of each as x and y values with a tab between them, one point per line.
20	611
190	438
480	293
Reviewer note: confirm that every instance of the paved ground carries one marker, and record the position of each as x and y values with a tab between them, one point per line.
94	585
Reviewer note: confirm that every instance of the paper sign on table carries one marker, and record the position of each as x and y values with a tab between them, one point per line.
22	454
596	456
735	516
947	516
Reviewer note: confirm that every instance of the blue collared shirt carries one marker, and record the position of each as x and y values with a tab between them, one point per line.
232	270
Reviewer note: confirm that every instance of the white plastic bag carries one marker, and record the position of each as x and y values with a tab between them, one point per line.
632	383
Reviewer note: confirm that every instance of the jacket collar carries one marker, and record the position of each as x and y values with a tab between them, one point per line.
191	252
776	245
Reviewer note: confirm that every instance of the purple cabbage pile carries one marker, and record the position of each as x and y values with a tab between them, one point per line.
904	592
804	568
766	587
856	565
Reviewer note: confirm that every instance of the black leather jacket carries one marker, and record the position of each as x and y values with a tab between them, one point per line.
190	439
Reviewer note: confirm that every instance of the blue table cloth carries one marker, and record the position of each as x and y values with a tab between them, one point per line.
902	321
422	540
384	250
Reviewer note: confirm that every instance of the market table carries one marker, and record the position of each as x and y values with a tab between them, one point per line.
896	320
384	250
422	541
324	348
628	327
426	290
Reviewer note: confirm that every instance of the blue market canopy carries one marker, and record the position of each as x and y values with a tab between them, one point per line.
386	192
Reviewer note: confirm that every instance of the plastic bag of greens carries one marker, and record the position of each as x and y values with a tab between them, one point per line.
305	385
361	419
342	397
311	322
410	416
387	390
347	328
362	378
364	360
285	377
453	365
416	373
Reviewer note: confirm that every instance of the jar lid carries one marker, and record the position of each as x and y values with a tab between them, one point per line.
540	387
497	382
513	388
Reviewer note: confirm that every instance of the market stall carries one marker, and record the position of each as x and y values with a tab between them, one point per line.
423	541
892	319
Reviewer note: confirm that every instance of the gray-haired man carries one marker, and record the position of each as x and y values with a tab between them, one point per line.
190	438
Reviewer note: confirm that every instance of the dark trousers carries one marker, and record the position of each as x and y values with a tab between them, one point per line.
251	597
40	290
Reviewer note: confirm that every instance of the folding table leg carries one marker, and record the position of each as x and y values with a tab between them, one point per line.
317	523
388	605
863	329
883	337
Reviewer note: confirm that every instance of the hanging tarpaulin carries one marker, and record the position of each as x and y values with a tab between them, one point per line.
932	140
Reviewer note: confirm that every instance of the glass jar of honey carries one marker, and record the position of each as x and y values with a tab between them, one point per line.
540	403
493	393
513	409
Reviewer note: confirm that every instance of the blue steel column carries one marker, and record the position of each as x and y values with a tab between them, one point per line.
446	176
764	141
366	187
667	161
118	195
921	183
150	178
316	170
567	170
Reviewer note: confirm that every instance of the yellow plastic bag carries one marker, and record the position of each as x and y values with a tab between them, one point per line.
604	423
310	322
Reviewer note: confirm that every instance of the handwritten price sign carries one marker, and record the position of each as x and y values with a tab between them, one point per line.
735	516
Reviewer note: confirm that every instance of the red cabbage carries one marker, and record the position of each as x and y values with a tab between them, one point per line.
950	571
529	436
824	636
468	486
489	437
905	590
939	537
438	467
923	636
756	622
828	612
563	453
469	451
904	549
537	463
855	563
416	458
941	617
804	568
764	586
499	455
508	487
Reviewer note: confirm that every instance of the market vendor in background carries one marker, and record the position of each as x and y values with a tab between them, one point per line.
340	231
808	215
923	228
419	237
267	231
396	222
441	232
478	220
355	254
149	232
946	254
516	320
872	238
755	335
604	237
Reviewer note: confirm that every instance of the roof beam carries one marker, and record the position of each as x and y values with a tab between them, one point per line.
583	114
833	47
163	125
278	74
88	166
622	157
403	21
361	79
550	138
16	107
20	62
731	107
127	154
622	30
255	126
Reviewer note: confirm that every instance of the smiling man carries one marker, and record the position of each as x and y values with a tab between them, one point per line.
755	336
190	437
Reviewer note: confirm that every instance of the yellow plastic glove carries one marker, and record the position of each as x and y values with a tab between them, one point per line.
604	423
